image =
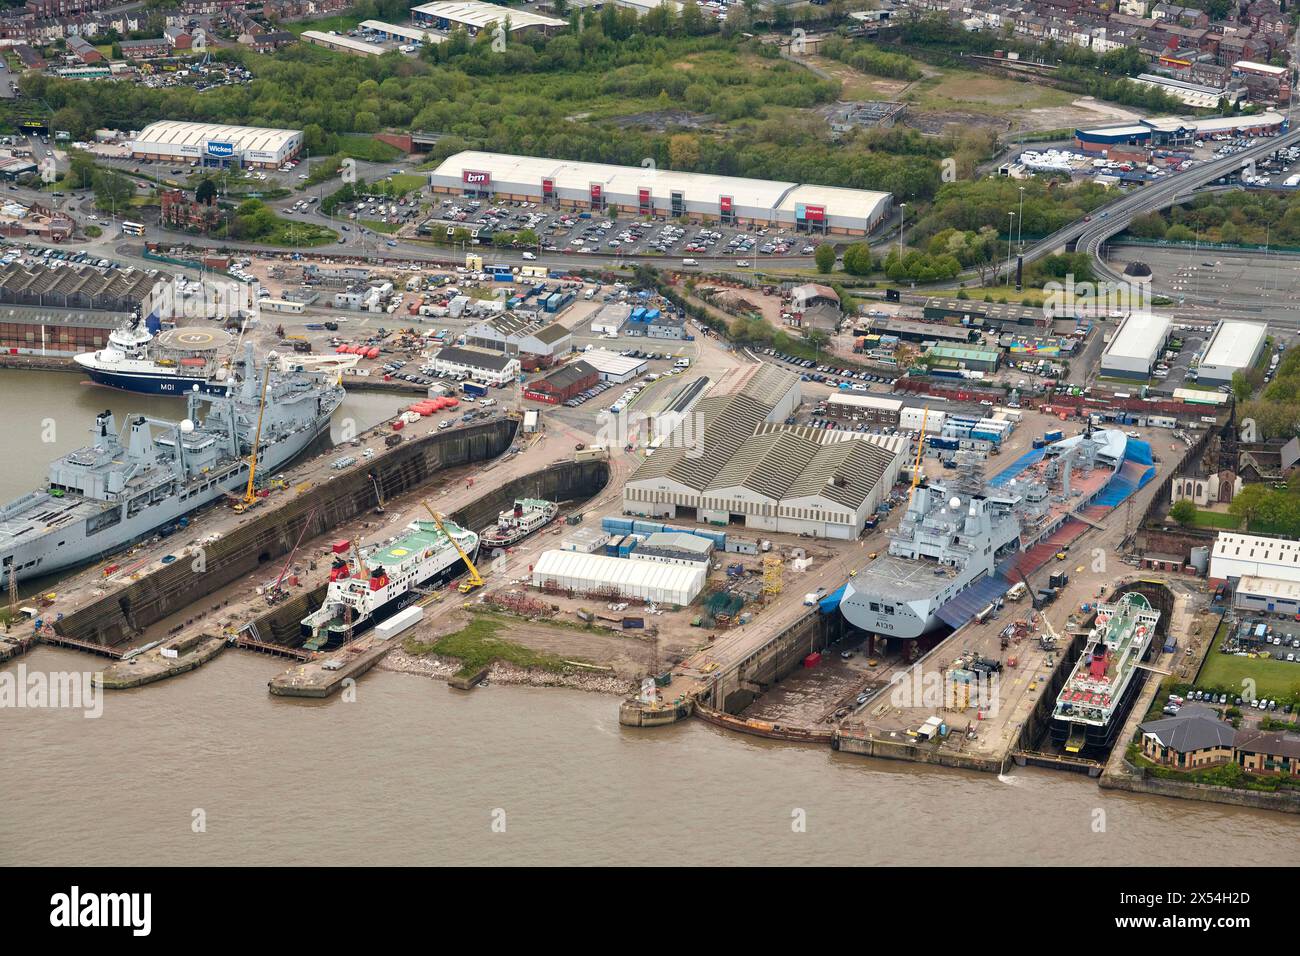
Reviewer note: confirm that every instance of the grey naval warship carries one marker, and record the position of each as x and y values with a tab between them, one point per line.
125	486
963	537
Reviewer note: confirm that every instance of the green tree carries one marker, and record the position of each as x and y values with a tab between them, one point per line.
824	256
857	259
1248	503
206	191
81	170
113	191
1184	512
817	338
1241	387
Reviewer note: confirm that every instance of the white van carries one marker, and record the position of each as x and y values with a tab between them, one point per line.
689	262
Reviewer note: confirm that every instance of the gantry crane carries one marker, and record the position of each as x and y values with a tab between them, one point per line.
475	580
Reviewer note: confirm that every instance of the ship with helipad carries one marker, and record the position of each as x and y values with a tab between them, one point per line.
173	362
963	542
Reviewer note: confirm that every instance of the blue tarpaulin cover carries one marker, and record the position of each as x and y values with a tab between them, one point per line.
973	600
831	602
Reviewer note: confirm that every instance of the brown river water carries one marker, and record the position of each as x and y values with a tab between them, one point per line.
413	772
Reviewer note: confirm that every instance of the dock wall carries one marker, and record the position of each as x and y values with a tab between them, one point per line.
115	617
562	481
736	688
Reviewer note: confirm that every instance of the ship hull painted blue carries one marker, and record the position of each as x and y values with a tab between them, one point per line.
146	384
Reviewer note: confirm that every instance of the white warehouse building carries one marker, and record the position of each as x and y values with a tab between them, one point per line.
613	367
664	193
473	16
490	368
619	577
733	462
212	144
1234	347
1135	346
1237	556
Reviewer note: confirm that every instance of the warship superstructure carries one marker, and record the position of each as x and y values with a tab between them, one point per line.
959	535
129	484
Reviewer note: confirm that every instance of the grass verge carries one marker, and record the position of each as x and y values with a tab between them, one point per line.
1273	679
1216	519
476	645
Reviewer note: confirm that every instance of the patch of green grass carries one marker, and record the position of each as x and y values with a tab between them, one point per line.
1273	679
361	146
378	226
969	91
477	645
1216	519
404	183
291	234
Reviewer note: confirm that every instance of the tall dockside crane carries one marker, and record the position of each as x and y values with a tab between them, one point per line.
475	580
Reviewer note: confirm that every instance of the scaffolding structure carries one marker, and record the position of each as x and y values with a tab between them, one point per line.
773	575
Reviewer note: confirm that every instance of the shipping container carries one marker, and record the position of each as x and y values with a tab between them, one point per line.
399	622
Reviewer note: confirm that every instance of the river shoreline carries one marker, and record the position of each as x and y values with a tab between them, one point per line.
441	668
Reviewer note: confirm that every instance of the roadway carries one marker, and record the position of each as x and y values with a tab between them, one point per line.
1091	233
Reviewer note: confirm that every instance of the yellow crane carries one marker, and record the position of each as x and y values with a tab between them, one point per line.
916	465
250	498
475	580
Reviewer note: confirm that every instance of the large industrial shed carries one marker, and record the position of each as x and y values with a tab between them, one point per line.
1237	556
613	367
212	144
1135	346
1234	347
516	335
473	16
635	191
618	577
732	463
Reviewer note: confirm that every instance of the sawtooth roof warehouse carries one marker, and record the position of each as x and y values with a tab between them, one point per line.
636	191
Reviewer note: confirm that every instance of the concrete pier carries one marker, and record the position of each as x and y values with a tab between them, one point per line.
313	679
152	666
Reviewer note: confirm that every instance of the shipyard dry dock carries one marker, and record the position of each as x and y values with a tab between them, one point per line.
471	473
803	675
